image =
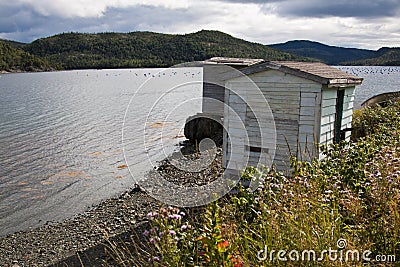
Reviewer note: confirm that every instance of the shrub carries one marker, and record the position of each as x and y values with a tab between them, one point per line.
350	200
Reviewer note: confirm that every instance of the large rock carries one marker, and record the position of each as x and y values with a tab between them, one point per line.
202	126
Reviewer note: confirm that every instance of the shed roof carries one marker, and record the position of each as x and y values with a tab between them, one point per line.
234	61
314	71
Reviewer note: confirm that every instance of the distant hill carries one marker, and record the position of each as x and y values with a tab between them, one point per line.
15	59
331	55
149	49
145	49
334	55
383	57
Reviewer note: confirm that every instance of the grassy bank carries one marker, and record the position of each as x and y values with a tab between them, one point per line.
341	211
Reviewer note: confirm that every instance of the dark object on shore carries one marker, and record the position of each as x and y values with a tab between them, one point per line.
381	99
202	126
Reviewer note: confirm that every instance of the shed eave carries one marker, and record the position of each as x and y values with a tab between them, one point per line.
343	82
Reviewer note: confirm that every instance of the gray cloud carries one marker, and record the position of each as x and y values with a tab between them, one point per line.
337	8
25	25
340	8
252	1
286	20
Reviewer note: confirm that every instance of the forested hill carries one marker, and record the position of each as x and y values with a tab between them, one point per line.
13	58
145	49
149	49
383	57
334	55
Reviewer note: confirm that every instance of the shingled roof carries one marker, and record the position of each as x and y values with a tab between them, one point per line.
234	61
314	71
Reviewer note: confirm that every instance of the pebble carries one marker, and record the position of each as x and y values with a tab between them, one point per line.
55	241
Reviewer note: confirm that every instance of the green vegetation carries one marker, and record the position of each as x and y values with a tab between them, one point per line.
149	49
334	55
331	55
384	57
348	201
145	49
13	59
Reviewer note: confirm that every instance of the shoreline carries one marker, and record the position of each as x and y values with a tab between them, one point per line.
56	241
154	67
86	234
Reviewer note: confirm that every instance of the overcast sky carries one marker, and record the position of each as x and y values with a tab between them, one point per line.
369	24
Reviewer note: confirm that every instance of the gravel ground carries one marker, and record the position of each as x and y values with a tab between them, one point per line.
54	242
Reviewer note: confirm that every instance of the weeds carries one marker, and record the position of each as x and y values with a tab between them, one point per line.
352	195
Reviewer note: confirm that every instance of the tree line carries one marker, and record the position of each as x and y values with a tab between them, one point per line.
148	49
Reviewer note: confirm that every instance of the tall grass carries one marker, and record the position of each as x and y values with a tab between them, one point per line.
347	202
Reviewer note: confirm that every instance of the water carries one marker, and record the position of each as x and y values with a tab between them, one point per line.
61	133
61	136
377	80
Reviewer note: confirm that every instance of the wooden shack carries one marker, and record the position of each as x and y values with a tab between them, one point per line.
311	104
214	83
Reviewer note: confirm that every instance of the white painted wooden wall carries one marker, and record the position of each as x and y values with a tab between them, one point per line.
213	87
295	104
304	113
328	113
348	105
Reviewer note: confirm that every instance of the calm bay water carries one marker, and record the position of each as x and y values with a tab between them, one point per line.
377	80
60	136
61	133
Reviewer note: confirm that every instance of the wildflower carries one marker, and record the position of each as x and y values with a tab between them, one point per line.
155	258
172	232
161	234
184	227
152	240
146	233
237	262
223	244
274	185
182	213
325	200
175	217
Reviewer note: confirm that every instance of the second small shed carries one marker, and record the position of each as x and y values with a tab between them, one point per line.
311	103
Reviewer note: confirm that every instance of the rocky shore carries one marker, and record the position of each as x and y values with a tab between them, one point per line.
81	240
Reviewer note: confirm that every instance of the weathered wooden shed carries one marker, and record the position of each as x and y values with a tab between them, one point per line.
311	103
214	83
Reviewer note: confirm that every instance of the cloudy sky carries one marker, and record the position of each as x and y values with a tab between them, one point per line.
367	24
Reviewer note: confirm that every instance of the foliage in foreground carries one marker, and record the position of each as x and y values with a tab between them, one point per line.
346	204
